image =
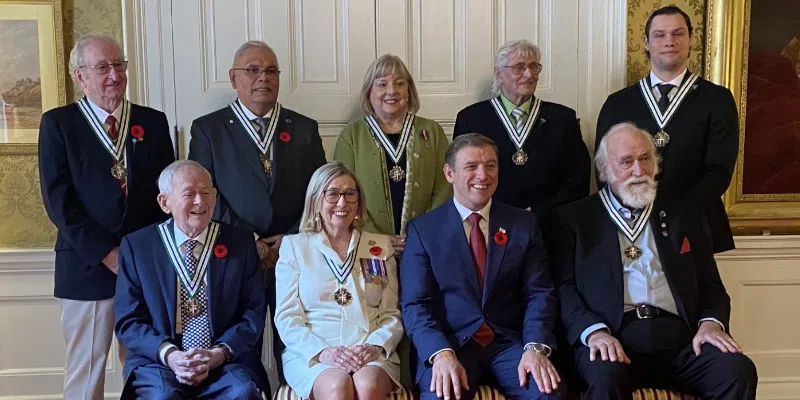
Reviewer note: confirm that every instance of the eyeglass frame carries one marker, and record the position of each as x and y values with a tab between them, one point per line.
340	195
255	73
525	67
114	65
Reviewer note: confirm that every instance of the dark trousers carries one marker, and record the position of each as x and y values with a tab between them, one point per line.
661	355
230	381
495	365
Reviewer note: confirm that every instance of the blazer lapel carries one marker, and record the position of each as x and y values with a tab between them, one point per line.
538	127
607	235
242	140
453	231
668	248
495	252
168	278
215	288
280	148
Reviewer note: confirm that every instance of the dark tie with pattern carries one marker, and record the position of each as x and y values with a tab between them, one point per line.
111	121
194	313
663	102
262	126
477	242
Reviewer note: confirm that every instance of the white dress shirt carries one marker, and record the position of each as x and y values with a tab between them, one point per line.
654	80
103	114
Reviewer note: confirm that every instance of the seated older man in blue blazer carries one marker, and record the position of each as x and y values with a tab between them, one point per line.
190	306
477	298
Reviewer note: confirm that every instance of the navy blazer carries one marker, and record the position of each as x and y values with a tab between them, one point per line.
589	271
86	204
698	161
558	170
442	304
245	198
146	298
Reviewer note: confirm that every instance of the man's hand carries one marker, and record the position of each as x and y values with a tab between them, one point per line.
542	370
190	367
274	241
268	250
609	347
710	332
447	373
367	353
340	357
398	243
111	260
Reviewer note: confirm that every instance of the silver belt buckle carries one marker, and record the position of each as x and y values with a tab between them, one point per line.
639	314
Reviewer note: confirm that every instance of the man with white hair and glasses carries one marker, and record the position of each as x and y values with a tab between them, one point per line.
641	296
99	159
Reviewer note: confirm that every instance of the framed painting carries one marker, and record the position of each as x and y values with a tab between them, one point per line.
32	68
753	48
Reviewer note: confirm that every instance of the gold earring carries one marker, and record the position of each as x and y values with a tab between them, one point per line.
356	217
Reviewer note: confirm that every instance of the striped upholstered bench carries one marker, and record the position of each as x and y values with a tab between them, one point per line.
487	393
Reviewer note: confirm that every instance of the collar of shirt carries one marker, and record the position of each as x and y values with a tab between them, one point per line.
508	106
103	114
249	114
181	238
465	212
654	80
628	214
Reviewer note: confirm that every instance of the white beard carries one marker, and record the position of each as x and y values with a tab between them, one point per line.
637	195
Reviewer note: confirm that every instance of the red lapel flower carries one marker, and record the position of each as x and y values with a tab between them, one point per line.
220	251
137	132
375	250
500	237
285	137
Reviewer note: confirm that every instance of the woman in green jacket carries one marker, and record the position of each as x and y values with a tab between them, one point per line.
397	156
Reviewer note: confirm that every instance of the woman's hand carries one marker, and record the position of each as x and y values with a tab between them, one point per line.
340	357
367	353
398	243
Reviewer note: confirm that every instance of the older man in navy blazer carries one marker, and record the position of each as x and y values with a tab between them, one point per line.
477	298
99	159
190	306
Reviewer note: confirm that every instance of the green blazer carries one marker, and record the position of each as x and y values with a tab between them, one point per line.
426	186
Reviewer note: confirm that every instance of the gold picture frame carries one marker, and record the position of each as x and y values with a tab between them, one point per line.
727	56
32	35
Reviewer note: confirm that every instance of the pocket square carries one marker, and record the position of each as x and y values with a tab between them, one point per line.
685	247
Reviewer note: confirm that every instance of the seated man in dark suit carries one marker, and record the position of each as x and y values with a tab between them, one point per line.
641	296
477	298
190	304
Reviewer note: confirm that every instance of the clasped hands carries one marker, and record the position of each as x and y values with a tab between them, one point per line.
268	249
350	359
192	367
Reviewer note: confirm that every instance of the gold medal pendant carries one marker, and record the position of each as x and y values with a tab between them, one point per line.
397	174
520	157
118	171
661	139
267	164
194	307
376	279
342	297
633	252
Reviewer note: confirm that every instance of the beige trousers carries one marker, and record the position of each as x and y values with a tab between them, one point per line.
88	328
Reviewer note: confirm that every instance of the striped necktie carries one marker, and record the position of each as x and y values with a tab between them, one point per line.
519	119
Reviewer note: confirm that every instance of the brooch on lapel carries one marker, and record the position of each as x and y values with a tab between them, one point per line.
375	250
424	135
220	251
661	215
500	237
137	133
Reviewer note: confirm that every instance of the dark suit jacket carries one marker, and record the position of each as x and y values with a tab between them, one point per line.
145	307
699	159
442	304
221	144
86	204
589	266
558	167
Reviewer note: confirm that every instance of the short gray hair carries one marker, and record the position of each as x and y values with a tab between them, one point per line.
514	48
165	178
468	140
253	44
77	56
601	155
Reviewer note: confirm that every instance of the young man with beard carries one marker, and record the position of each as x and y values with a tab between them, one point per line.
641	296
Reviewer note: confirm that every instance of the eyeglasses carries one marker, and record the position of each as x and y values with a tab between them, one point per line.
519	69
105	68
332	196
254	73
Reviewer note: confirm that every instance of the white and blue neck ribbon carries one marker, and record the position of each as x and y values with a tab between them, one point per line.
262	144
190	282
662	119
395	153
518	138
630	232
115	148
342	271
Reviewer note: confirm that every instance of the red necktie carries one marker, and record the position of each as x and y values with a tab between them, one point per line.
111	121
477	242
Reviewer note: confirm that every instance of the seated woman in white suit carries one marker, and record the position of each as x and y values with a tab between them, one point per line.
337	310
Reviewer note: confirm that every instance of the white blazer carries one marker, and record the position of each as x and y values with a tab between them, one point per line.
307	317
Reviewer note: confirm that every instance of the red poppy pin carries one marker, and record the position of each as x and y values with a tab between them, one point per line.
285	137
375	250
500	237
137	132
220	251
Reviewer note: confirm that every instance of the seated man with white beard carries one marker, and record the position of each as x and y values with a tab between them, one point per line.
641	296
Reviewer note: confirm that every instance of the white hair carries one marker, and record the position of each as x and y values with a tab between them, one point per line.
514	48
77	54
165	178
253	44
604	173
